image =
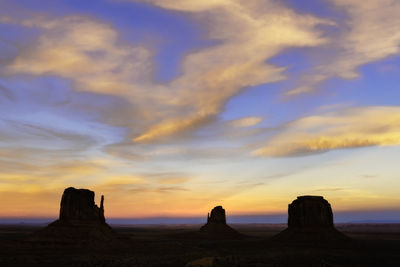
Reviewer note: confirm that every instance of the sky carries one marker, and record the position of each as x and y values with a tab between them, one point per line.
172	107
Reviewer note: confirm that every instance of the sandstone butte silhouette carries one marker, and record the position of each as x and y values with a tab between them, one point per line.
216	226
80	220
310	219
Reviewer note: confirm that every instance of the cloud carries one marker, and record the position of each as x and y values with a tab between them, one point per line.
90	53
350	128
190	5
115	84
65	46
138	184
178	180
68	168
124	150
213	75
246	122
370	32
329	189
21	140
34	169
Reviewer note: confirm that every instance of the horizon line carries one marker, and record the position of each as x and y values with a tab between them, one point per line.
372	216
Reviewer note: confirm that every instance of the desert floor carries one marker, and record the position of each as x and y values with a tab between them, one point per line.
172	245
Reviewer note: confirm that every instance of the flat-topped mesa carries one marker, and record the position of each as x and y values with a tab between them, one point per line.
77	205
310	219
310	212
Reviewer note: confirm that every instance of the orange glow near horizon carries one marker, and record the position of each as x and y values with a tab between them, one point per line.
169	108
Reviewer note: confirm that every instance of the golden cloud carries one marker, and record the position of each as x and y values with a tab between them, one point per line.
212	75
354	127
89	52
86	51
190	5
246	122
170	180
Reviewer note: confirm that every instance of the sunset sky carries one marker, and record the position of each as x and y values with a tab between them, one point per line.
171	107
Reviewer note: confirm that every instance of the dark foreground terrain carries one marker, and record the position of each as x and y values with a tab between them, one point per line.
371	245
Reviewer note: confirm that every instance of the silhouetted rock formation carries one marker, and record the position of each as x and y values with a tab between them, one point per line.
310	219
310	212
77	205
80	221
216	226
217	215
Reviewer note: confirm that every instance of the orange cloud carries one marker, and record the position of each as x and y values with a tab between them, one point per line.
178	180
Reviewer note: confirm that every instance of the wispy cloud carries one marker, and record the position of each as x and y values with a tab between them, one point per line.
138	185
370	32
80	103
351	128
213	75
246	122
89	53
329	189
